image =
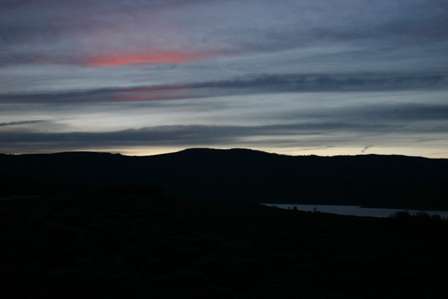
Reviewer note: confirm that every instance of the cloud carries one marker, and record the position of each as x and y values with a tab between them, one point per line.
259	84
148	57
206	72
377	113
290	134
276	123
20	123
365	148
68	32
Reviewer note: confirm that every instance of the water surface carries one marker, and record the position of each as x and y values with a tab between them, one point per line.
355	210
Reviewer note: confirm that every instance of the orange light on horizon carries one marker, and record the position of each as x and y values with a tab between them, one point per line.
158	57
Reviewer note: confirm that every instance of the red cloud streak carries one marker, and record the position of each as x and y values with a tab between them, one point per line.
160	57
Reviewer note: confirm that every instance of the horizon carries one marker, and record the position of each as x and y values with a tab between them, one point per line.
219	149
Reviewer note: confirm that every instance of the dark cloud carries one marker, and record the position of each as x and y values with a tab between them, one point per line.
401	113
393	113
170	135
20	123
366	148
259	84
304	134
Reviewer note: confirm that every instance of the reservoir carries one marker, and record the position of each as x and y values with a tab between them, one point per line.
355	210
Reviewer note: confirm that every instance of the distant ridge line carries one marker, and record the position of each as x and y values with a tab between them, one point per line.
205	150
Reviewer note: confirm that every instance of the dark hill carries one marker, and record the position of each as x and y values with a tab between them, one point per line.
98	224
240	175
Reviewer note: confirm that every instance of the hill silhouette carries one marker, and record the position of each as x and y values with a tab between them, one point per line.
188	225
240	175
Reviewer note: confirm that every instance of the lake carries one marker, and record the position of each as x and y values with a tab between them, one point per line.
354	210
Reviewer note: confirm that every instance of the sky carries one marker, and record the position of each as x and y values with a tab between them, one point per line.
298	77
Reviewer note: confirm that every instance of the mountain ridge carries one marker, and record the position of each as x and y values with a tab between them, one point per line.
196	150
242	175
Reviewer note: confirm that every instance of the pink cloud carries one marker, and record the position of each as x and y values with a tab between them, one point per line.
150	57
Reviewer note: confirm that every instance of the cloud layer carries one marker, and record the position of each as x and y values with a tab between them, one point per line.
113	74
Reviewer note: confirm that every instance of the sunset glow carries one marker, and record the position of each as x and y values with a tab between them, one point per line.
158	57
297	77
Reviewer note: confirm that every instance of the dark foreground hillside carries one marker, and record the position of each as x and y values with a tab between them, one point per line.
132	242
242	176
